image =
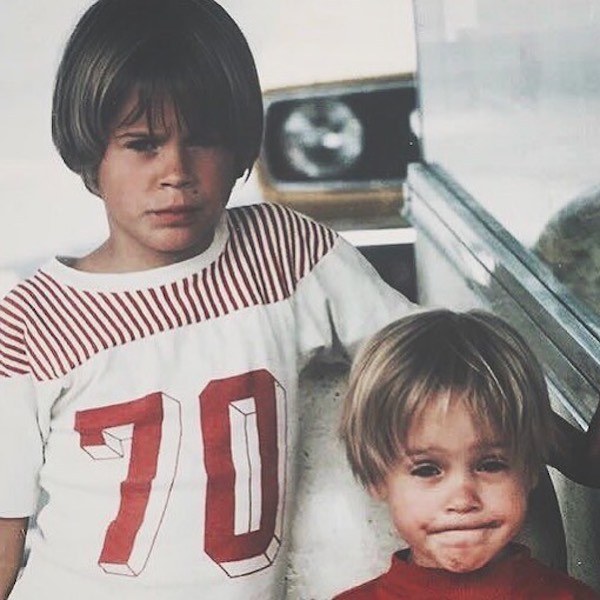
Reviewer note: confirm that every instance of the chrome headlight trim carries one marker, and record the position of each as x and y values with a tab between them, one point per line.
280	104
322	138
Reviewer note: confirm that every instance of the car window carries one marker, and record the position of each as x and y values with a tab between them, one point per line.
510	110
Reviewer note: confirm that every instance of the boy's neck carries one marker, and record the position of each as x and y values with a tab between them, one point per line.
107	259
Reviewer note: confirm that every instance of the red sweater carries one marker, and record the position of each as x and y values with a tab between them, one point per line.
515	577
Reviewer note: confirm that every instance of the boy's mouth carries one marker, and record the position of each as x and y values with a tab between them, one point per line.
465	527
176	209
176	215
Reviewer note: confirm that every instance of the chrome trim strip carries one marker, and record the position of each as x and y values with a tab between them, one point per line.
334	89
380	237
558	396
483	250
324	186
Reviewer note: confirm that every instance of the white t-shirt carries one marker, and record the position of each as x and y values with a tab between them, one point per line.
155	412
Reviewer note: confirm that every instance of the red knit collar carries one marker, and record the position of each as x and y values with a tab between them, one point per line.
492	581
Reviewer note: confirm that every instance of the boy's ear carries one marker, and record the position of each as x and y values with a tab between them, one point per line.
534	479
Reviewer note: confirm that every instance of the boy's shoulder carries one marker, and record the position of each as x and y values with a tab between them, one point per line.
271	215
282	234
364	591
542	581
19	290
14	321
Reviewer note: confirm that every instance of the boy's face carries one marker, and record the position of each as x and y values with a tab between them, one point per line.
455	496
164	193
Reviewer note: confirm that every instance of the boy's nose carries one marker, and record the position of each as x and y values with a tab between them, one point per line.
463	494
177	170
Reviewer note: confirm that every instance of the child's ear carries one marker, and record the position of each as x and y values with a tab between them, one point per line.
533	480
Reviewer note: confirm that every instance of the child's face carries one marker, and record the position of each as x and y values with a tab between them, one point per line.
164	193
455	497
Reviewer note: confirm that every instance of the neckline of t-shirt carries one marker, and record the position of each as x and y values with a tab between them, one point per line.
59	269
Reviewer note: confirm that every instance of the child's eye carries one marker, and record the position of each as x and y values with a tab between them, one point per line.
144	145
425	470
493	465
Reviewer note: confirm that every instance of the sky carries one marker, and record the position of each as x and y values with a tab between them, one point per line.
44	208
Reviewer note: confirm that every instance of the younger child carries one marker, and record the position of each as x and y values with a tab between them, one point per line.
148	410
448	421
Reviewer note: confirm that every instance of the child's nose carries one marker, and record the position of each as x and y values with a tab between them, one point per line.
177	171
463	495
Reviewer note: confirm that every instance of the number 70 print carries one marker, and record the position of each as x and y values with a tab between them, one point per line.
243	430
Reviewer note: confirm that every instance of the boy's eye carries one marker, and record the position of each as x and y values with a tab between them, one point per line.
142	145
493	465
425	470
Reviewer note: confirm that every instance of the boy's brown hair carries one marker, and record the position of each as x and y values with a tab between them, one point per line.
443	356
186	52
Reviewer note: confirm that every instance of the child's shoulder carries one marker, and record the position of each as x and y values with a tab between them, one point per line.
529	578
364	591
281	233
546	582
18	293
15	320
276	217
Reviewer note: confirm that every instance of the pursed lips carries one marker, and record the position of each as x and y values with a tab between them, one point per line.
464	527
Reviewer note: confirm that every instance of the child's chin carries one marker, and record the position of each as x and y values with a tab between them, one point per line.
465	564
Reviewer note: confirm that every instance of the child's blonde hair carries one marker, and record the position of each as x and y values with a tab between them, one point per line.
443	356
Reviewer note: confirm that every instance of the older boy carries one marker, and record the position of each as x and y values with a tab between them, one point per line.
148	389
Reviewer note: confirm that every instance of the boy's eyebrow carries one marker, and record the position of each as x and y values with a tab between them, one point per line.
483	446
134	134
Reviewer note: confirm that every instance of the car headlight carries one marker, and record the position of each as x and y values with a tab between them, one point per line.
322	139
331	144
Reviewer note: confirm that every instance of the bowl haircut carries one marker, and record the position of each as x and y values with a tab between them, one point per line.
434	359
188	54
